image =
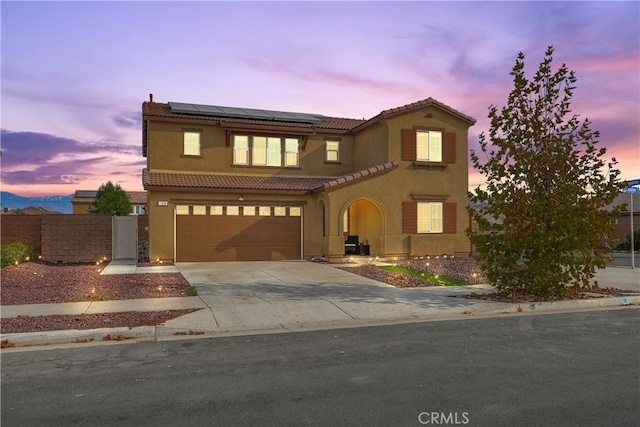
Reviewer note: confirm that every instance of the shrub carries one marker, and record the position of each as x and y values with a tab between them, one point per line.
626	246
13	252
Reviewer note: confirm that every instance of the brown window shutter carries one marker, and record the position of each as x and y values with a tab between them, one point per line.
409	217
409	144
450	218
449	147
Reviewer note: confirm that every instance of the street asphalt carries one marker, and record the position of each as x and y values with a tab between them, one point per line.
560	369
238	298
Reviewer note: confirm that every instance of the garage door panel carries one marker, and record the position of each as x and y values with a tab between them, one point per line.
237	237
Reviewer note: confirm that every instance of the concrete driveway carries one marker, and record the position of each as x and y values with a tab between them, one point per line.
263	295
244	297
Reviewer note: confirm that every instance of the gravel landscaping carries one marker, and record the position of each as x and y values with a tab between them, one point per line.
88	321
40	283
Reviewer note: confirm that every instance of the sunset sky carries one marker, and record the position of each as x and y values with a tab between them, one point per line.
74	74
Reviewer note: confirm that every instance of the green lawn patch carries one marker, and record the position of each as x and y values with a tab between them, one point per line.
436	279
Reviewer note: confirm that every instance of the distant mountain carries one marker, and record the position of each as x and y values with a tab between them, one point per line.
54	203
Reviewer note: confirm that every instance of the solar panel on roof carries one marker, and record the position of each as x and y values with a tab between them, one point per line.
258	113
245	113
86	193
208	109
179	107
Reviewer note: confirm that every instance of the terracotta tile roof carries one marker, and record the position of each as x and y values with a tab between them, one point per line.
271	183
350	178
414	106
424	103
231	182
155	109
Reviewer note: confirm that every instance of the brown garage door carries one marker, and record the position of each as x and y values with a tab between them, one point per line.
238	233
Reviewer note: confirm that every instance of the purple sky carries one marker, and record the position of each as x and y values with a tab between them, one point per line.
74	74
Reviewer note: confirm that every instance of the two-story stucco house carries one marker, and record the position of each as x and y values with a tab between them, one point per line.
245	184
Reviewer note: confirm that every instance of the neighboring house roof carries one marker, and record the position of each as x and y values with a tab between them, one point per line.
320	123
625	199
255	183
30	210
88	196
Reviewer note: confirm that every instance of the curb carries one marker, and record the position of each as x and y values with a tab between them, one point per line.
27	339
564	305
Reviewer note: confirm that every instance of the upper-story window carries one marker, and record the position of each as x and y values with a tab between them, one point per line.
240	150
429	145
431	148
265	151
191	143
332	148
291	152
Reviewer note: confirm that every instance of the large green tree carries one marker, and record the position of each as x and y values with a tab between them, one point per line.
542	223
111	199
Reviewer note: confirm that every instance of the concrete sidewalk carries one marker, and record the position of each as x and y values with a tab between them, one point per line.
130	266
260	297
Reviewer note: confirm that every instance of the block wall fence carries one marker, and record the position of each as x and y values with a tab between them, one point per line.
74	238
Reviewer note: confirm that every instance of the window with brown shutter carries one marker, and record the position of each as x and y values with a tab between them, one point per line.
409	217
450	218
408	144
449	147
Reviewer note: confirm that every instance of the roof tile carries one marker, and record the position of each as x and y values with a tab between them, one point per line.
271	183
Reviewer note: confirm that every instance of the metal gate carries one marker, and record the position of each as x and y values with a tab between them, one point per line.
125	237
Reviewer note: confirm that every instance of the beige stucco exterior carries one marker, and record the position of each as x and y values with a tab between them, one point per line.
373	204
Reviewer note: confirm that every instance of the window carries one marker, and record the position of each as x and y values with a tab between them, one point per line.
429	145
199	210
191	143
430	217
215	210
233	210
138	209
279	211
249	210
265	151
294	211
274	156
264	211
240	150
291	154
182	210
332	151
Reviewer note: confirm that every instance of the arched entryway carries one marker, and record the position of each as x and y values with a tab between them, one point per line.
364	218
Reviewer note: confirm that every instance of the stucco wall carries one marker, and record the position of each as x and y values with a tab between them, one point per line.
165	152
